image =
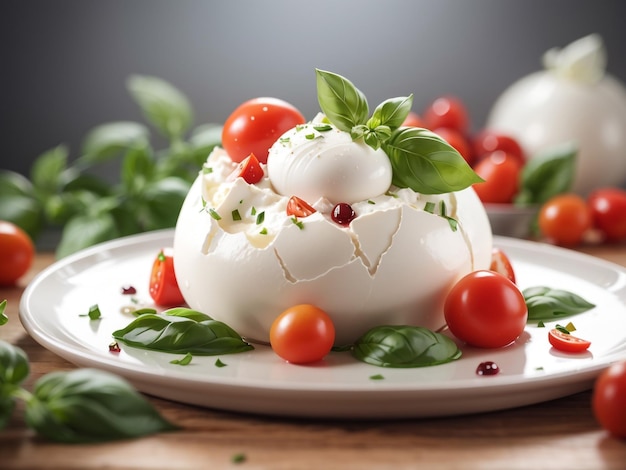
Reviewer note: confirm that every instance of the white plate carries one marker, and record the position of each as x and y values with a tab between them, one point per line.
339	387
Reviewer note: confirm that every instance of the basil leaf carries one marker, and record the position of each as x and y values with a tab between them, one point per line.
163	200
181	336
109	140
47	170
83	231
404	346
343	104
137	170
7	405
24	211
391	112
162	104
14	366
547	174
3	318
424	162
545	304
187	313
88	405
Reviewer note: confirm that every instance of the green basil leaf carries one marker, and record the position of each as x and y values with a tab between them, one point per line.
88	405
404	346
162	104
111	139
343	104
187	313
7	405
163	200
545	303
424	162
181	336
391	112
184	361
547	174
47	170
14	366
14	184
86	230
3	318
137	169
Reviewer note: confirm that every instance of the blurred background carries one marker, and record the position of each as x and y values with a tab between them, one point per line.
65	62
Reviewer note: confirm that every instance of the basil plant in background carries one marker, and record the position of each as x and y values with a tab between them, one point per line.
60	193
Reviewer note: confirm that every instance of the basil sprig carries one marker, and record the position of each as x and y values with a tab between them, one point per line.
82	405
420	159
546	304
181	331
404	347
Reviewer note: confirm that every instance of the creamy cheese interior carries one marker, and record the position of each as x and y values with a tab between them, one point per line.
242	259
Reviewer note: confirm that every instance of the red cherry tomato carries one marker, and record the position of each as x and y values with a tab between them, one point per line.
501	264
163	285
302	334
486	310
255	125
488	141
565	219
413	120
608	210
447	111
299	207
567	342
16	253
609	399
249	169
456	140
501	173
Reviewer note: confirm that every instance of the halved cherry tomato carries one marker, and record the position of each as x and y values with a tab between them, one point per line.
255	125
456	140
501	263
564	219
164	288
609	399
413	120
299	207
302	334
447	111
608	210
501	173
567	342
249	169
488	141
16	253
486	310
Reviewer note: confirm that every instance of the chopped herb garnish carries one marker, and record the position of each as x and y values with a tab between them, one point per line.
219	363
284	140
541	324
570	327
203	202
310	136
260	218
263	231
323	128
299	127
377	377
236	215
94	313
3	318
161	256
184	361
238	458
454	225
214	214
207	170
539	368
562	329
369	201
298	223
389	193
429	207
253	211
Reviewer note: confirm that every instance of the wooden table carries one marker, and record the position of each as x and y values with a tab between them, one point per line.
561	434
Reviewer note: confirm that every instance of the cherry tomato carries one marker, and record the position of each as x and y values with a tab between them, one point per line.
413	120
567	342
488	141
299	207
501	173
302	334
609	399
564	219
501	263
447	111
164	288
456	140
255	125
486	310
16	253
608	211
249	169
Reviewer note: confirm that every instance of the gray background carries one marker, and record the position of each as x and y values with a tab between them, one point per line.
65	62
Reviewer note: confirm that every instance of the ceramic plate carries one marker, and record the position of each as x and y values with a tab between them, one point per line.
258	381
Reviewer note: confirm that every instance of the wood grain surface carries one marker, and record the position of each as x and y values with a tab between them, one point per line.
560	434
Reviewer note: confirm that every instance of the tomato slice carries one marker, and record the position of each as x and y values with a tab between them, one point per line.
164	288
299	207
249	169
566	342
501	263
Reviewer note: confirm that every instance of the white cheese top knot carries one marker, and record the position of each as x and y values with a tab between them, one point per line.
316	160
